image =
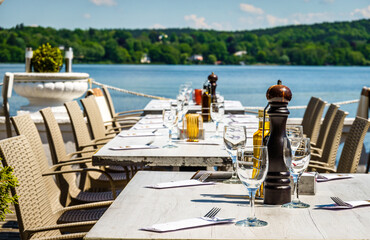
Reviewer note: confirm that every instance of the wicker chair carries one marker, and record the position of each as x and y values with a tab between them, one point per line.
127	115
84	143
306	120
69	193
313	129
329	153
324	129
352	148
36	218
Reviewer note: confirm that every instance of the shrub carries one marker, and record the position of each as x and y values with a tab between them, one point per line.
7	181
47	59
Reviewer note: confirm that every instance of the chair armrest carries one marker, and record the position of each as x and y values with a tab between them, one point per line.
57	166
328	169
130	111
59	226
87	205
110	179
92	145
69	155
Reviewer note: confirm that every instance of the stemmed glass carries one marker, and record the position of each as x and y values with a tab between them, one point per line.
296	164
217	113
252	170
169	120
295	136
235	139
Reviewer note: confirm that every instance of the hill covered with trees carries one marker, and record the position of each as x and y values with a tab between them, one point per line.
339	43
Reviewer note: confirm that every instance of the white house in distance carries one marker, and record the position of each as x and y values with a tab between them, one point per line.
196	58
145	58
240	53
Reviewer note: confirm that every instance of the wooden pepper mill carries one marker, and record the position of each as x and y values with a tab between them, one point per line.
212	78
277	183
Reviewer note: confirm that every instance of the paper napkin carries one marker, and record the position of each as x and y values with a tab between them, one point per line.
353	203
187	223
137	134
196	143
133	147
151	121
148	126
329	177
182	183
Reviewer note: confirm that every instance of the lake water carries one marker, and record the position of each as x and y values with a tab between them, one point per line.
247	84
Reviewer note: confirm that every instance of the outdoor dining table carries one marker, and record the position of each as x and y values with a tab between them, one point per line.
139	206
206	153
156	106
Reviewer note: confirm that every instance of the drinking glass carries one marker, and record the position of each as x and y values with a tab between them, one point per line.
252	170
295	136
217	113
235	138
169	120
297	163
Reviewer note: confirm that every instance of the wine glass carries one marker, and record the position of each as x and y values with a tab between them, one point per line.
296	164
295	136
252	170
217	113
235	138
169	121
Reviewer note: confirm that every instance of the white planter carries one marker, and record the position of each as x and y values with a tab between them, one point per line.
50	89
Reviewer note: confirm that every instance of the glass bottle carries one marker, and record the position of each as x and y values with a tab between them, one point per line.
206	102
260	137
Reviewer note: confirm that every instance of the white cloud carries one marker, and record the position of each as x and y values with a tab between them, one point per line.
157	26
362	12
251	9
307	18
197	22
104	2
87	16
274	21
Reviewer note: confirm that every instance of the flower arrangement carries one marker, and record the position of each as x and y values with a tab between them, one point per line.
47	59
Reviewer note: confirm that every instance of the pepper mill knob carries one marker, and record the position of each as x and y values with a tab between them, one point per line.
212	77
278	93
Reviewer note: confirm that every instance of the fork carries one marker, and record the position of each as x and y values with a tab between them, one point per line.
149	143
340	202
212	213
204	177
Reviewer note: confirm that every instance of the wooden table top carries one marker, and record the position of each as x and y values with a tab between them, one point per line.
138	207
184	155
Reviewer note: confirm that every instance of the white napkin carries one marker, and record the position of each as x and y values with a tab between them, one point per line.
353	203
151	126
181	183
245	120
151	121
133	147
136	134
187	223
195	143
329	177
153	117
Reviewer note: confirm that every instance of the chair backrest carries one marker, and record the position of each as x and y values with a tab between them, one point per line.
102	105
308	113
94	117
79	126
33	209
24	125
364	104
325	126
352	148
109	101
315	122
330	149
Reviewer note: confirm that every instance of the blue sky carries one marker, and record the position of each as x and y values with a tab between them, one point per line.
200	14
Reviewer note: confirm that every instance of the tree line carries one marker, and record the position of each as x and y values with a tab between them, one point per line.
338	43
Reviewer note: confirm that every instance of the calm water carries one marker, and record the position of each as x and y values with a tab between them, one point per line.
245	83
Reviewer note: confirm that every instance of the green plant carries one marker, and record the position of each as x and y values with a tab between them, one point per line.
47	59
7	181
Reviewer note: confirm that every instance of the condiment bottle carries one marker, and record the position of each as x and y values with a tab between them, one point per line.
260	138
206	102
212	78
